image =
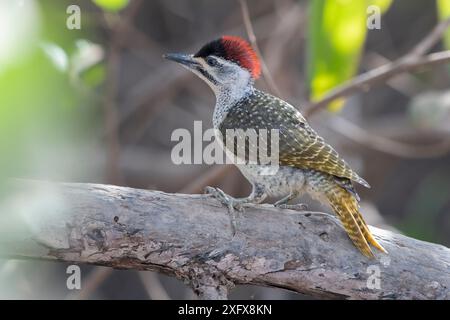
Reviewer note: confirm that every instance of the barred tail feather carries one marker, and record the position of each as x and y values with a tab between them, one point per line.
367	234
354	209
341	196
338	202
346	207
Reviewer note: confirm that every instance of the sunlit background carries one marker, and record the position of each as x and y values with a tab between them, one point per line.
99	104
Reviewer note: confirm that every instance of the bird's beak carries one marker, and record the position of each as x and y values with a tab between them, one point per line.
184	59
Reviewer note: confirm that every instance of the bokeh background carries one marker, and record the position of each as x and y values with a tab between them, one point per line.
99	104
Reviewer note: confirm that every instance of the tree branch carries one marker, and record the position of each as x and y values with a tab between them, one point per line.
381	74
411	62
189	236
386	145
431	39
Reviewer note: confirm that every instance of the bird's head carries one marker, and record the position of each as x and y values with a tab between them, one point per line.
227	63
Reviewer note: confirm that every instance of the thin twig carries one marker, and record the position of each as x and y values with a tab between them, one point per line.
405	83
118	32
252	38
379	75
385	145
111	118
431	39
412	61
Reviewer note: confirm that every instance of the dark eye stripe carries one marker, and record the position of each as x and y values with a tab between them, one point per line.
207	75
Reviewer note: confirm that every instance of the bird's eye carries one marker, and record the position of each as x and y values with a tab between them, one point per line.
211	61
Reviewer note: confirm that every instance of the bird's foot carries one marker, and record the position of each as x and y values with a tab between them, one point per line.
297	207
234	205
228	201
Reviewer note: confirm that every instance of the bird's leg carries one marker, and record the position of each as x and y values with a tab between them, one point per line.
257	196
283	203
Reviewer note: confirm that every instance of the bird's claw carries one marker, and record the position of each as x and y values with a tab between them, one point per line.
231	203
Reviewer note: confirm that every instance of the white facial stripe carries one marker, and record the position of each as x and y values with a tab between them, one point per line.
206	73
228	80
202	62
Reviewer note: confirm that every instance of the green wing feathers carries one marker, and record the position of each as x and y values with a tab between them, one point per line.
302	147
299	146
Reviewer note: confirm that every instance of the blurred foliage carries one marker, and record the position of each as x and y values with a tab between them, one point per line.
87	67
444	12
427	202
111	5
382	4
43	113
94	76
337	32
431	111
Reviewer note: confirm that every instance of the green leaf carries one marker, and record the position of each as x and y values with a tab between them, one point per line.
111	5
337	32
94	76
444	13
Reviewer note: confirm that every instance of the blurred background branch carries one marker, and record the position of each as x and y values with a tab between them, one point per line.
410	62
252	38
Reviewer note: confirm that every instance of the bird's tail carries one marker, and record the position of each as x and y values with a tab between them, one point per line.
346	207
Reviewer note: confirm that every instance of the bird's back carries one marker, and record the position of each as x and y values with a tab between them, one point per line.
299	145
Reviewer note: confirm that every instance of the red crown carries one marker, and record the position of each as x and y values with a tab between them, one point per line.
239	50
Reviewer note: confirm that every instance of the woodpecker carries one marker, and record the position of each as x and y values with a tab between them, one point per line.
307	163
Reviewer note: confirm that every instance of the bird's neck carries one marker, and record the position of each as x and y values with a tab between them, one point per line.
229	96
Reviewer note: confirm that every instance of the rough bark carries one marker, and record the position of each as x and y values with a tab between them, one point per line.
189	236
